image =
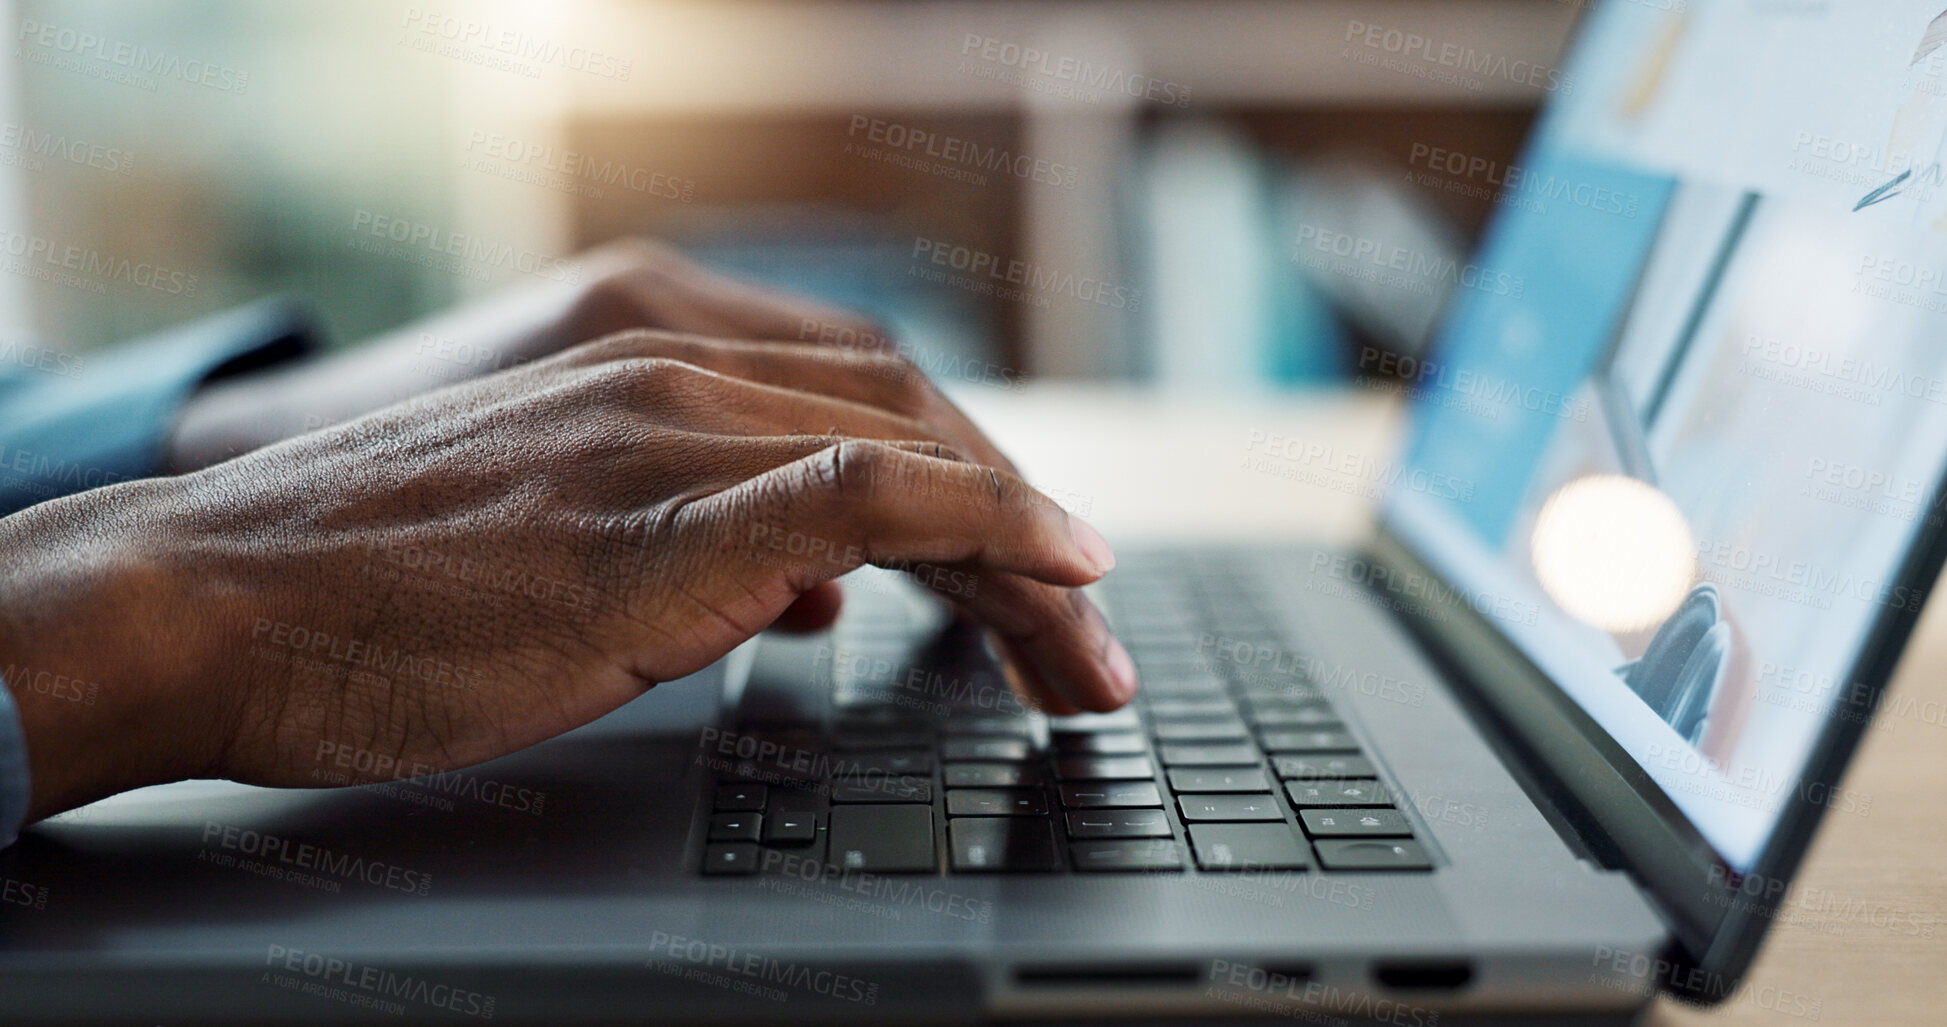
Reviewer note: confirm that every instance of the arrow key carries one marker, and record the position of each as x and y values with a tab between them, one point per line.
1360	823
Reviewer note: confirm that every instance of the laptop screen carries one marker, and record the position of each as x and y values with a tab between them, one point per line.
1694	392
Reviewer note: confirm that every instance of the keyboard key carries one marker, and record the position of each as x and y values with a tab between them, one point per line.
1232	730
1345	823
1100	743
1163	708
735	858
736	827
1119	823
1249	847
1006	750
883	789
1360	854
1310	767
882	839
911	761
1233	755
740	798
873	741
1121	720
1229	807
1110	795
1337	793
1002	844
997	802
1309	741
1104	768
993	775
1016	727
1221	779
1200	687
1287	700
791	827
1309	716
1126	855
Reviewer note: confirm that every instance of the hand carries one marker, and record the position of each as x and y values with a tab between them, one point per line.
623	285
457	578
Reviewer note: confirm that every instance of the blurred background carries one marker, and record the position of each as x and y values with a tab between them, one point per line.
1219	194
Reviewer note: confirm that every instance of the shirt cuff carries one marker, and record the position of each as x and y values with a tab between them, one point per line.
14	793
110	422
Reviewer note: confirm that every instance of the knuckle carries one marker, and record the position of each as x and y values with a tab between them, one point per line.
653	378
856	468
623	344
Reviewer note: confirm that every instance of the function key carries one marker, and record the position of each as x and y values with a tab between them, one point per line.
1309	741
1304	716
1322	766
1161	708
737	858
1219	779
1337	793
1362	854
1104	768
1018	727
1231	755
736	827
1350	823
993	775
1006	750
740	798
875	740
882	789
1229	807
1121	720
1119	823
1215	730
1285	699
1249	847
996	802
1126	855
908	761
1002	844
1100	743
1111	794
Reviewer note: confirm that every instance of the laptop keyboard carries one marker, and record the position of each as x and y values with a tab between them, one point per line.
1230	759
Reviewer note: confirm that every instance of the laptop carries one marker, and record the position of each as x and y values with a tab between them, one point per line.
1554	743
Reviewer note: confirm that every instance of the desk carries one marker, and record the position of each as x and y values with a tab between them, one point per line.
1864	938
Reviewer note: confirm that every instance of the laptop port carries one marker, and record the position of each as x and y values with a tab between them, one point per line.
1424	975
1171	974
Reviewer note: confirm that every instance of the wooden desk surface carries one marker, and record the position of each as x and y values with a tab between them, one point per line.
1863	935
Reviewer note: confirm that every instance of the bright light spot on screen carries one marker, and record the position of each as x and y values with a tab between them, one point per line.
1614	552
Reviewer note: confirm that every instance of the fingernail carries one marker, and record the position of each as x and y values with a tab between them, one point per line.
1092	545
1122	670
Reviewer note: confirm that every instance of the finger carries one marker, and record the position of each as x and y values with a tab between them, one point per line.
643	284
1058	646
860	502
813	611
883	381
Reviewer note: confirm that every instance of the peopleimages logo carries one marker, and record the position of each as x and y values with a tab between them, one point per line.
1415	47
315	858
988	269
1084	75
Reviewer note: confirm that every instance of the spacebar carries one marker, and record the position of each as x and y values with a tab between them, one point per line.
884	838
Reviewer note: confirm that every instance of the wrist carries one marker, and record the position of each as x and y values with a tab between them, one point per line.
104	672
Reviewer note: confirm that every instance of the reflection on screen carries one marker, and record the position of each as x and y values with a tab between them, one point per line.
1707	433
